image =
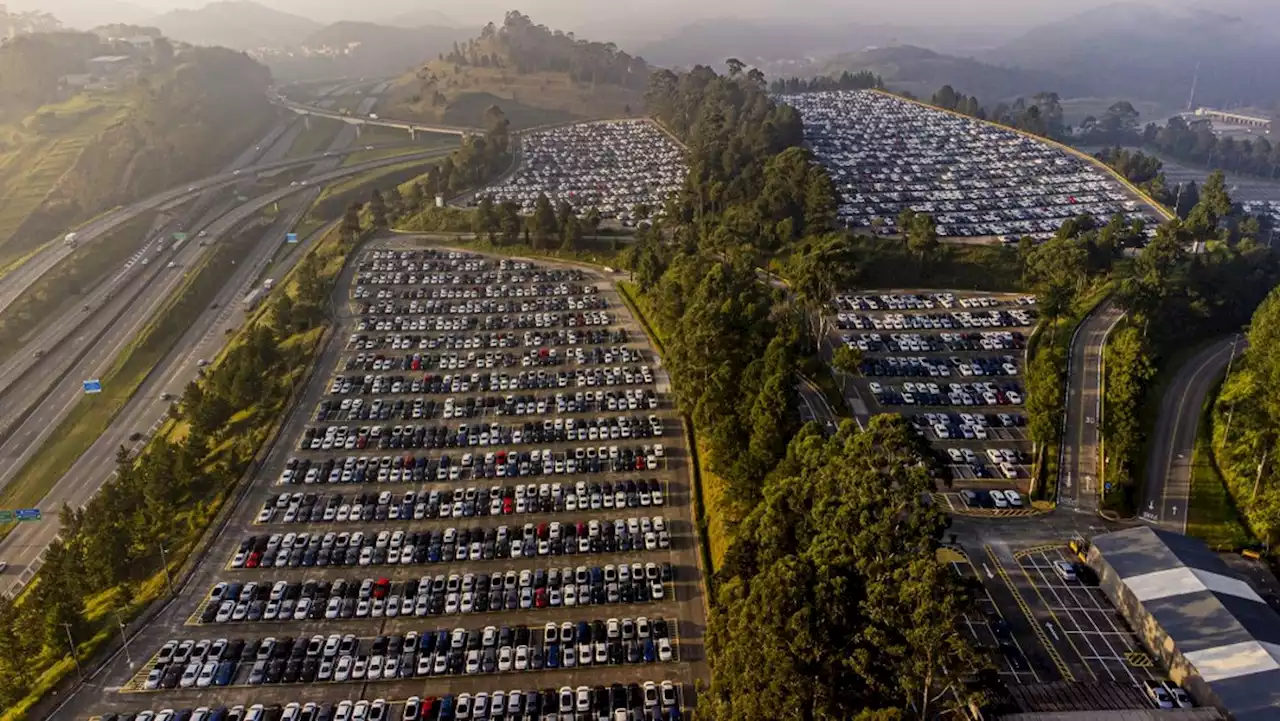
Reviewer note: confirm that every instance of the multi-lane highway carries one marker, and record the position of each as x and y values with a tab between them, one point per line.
14	283
95	347
1079	460
1167	486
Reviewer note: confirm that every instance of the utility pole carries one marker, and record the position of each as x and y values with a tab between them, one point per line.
1226	432
1191	100
74	656
125	638
164	562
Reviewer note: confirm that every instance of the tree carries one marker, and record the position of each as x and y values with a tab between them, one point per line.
351	222
572	234
378	210
591	221
542	224
509	222
921	233
1055	272
847	360
486	218
831	600
735	66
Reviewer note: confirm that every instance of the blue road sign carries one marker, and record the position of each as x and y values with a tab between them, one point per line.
291	237
93	385
27	514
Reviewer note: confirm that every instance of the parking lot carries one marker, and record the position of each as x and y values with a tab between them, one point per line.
611	166
951	363
486	480
886	154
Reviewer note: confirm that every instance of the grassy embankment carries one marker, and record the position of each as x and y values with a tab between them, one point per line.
708	488
1211	512
93	414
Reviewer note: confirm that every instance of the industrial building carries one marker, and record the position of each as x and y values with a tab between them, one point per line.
1215	634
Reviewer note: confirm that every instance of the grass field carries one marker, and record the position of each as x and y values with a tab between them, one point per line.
1211	513
372	178
38	159
527	100
92	415
424	142
65	285
886	263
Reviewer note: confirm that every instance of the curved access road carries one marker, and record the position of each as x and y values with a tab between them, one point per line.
1167	486
1079	460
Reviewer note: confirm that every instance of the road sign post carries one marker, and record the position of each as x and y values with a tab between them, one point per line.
291	238
92	385
7	517
28	514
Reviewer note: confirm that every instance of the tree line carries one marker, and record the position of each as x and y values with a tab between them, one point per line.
1246	422
1040	115
861	80
158	502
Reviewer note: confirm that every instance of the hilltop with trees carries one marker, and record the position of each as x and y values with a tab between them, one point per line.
165	117
534	74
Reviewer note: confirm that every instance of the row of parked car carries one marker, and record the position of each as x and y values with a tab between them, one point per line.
559	430
435	595
484	306
304	550
1013	317
443	324
513	404
199	664
650	701
925	301
982	393
925	366
460	503
485	339
481	382
473	291
983	341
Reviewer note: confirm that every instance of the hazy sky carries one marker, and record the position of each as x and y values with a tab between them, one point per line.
570	14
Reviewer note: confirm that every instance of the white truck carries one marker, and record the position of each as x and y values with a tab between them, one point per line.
268	283
70	239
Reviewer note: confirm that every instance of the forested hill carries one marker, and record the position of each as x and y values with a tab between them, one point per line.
534	74
68	154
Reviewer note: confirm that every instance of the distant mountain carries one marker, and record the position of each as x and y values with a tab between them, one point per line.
777	44
922	71
400	13
361	49
1139	51
238	24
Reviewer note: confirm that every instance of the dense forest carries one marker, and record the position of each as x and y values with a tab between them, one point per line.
1040	115
528	48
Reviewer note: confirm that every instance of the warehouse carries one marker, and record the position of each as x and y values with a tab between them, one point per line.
1214	633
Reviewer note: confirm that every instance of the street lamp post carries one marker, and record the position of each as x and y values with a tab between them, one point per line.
165	563
124	637
74	656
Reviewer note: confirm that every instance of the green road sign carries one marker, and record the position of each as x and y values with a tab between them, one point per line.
7	517
179	237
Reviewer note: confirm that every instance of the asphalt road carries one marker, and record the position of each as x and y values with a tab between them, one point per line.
23	548
1167	487
1078	465
96	346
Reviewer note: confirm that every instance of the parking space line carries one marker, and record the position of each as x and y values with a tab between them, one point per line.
1009	669
1031	619
1058	622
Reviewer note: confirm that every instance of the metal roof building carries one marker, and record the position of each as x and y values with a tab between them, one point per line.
1215	634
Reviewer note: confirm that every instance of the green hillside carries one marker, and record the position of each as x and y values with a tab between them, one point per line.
535	75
